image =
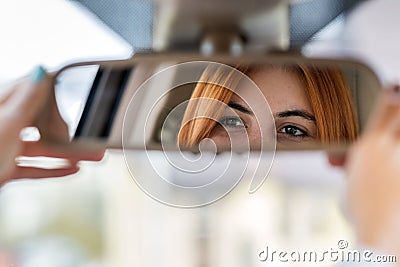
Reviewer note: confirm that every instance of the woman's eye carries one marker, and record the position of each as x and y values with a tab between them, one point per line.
231	122
293	131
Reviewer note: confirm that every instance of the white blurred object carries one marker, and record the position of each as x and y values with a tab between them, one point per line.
62	31
369	33
52	251
372	32
30	134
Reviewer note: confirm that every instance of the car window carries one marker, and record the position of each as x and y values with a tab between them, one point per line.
53	33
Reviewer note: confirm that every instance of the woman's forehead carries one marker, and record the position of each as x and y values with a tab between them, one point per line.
282	88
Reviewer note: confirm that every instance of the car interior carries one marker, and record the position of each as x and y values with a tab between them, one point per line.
124	73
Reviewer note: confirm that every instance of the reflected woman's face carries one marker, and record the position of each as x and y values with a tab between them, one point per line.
291	109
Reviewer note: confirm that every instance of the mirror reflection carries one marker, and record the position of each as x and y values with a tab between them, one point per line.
308	104
184	104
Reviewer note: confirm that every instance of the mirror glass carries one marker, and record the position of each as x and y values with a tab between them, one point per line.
222	103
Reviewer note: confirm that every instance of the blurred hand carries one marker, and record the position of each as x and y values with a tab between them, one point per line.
20	108
373	168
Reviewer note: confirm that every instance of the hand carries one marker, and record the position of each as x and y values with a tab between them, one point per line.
373	168
20	108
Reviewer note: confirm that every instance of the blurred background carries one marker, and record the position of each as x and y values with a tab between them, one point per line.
99	217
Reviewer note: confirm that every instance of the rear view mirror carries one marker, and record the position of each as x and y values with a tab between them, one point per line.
166	101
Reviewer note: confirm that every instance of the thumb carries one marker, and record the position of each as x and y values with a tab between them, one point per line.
337	159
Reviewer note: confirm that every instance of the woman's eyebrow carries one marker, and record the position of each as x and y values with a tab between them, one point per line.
239	107
295	113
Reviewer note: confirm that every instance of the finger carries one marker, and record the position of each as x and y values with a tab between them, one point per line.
27	99
10	89
51	125
34	173
337	160
387	108
394	126
39	148
6	95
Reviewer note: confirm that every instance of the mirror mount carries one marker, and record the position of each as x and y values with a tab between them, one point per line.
222	40
193	25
